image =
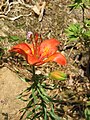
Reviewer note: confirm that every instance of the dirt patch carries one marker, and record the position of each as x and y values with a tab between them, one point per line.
10	87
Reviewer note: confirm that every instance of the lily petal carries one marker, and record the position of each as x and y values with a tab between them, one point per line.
18	51
32	60
58	58
21	48
48	47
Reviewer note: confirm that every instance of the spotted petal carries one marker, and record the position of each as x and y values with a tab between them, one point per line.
48	47
58	58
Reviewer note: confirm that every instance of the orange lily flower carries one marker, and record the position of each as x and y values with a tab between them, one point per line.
40	52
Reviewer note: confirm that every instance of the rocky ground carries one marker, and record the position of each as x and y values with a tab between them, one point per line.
75	91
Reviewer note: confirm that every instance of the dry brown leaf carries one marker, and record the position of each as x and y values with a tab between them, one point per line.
39	9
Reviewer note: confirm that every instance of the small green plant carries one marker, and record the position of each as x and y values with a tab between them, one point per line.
74	31
77	33
79	4
87	111
14	38
80	32
39	103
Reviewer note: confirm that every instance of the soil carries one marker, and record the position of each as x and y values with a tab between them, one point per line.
75	91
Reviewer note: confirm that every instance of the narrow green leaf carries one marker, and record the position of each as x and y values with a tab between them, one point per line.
72	38
87	113
42	96
87	33
45	113
24	79
52	114
34	95
14	38
29	114
30	104
43	92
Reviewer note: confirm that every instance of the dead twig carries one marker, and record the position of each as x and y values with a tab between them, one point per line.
38	8
14	18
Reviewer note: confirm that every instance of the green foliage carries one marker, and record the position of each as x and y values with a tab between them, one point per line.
79	3
79	32
39	104
74	31
87	111
87	33
13	38
87	23
2	38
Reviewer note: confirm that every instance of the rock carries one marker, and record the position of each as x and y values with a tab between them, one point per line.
10	87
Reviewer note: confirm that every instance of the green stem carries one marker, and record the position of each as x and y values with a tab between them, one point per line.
83	14
33	70
34	75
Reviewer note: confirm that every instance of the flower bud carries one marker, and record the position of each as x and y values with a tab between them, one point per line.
57	75
29	34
